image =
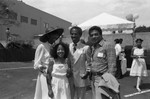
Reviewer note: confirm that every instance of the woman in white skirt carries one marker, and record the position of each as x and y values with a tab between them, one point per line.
138	67
41	62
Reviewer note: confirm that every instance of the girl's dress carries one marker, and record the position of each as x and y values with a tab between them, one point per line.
60	85
138	67
42	58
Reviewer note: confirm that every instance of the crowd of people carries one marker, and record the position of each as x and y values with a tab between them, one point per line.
65	70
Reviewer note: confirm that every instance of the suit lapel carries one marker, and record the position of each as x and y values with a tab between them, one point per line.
78	51
76	55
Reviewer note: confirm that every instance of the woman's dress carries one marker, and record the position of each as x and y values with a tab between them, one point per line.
60	84
138	67
42	58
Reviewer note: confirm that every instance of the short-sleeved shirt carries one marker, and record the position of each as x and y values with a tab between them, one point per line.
103	57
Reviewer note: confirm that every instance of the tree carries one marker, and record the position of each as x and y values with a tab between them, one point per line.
148	29
142	29
7	16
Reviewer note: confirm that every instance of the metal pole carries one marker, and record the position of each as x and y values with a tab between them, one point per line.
134	34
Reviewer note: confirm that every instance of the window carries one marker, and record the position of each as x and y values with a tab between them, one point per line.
24	19
46	25
33	22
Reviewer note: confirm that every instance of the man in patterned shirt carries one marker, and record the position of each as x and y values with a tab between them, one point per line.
102	59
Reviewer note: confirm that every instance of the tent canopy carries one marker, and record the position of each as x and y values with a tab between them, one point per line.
108	22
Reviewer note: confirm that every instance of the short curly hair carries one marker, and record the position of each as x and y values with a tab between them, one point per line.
77	28
53	50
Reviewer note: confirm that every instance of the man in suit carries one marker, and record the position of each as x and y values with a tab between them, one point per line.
77	60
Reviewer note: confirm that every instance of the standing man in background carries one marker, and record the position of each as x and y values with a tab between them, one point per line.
8	35
118	60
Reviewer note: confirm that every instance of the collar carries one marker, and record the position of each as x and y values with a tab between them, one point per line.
101	43
118	44
79	44
47	44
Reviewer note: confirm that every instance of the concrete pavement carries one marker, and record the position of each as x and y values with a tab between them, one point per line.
19	84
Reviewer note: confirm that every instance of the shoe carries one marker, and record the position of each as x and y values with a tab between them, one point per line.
139	90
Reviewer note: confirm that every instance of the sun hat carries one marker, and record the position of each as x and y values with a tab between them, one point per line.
50	33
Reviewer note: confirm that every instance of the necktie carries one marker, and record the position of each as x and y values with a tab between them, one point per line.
74	47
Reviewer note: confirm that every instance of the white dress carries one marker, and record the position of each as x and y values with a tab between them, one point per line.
42	58
138	67
60	85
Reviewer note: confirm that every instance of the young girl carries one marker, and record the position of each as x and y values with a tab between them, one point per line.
58	85
138	67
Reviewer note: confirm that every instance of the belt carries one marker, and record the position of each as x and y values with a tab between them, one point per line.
97	73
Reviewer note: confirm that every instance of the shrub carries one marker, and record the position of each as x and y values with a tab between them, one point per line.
18	51
19	45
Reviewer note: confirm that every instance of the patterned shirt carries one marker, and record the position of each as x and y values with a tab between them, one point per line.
103	57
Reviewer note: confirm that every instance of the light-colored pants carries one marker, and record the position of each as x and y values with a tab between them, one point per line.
97	91
80	92
72	89
76	92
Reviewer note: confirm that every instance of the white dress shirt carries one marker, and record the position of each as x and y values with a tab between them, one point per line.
118	49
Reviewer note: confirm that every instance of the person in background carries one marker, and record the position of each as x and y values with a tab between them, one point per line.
122	58
123	63
118	60
41	61
8	35
57	72
138	67
120	41
77	60
102	60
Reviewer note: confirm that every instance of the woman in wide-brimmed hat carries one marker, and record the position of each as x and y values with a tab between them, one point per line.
42	59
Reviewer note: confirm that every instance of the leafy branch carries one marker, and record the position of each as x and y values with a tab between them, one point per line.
7	16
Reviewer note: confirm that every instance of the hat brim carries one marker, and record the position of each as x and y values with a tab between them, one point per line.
50	34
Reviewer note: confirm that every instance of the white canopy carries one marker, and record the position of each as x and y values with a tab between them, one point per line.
108	22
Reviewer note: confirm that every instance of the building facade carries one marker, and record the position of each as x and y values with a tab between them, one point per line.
31	21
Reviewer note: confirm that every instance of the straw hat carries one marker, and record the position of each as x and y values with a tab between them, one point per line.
49	35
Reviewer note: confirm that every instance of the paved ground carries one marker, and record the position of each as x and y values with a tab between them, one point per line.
17	81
